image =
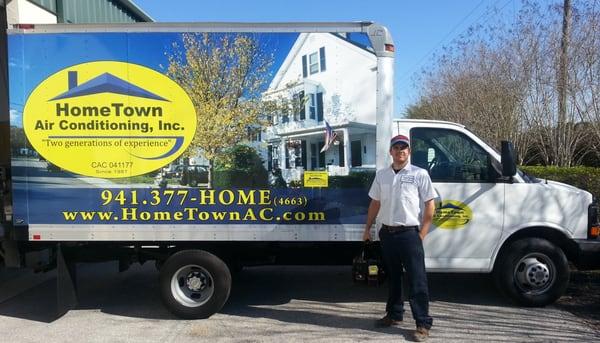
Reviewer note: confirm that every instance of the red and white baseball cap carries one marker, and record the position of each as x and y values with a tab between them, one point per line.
399	139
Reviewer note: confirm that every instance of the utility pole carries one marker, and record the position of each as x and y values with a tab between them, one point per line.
562	149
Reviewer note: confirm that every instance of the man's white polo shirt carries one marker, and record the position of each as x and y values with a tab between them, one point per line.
401	194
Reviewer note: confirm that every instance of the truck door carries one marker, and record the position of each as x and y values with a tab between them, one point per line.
470	204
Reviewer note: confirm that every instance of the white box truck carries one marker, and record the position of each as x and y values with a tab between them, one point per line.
273	132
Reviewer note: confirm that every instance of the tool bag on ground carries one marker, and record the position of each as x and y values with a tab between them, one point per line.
368	266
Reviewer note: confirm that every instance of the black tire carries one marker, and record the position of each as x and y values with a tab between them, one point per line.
194	284
158	264
532	272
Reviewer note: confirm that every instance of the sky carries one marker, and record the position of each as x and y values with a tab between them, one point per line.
420	28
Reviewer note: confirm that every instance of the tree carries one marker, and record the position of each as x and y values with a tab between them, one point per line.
240	166
503	82
224	75
477	86
584	67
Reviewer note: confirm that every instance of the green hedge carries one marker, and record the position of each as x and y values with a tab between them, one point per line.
239	166
587	178
239	179
353	180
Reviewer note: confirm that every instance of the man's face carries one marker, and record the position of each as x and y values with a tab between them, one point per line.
400	153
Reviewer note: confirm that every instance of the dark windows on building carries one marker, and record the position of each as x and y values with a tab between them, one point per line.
314	62
301	103
312	106
299	106
254	134
313	156
319	106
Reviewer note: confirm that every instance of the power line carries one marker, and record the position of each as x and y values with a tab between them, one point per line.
412	69
442	40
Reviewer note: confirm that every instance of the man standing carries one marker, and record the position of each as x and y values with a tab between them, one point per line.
397	194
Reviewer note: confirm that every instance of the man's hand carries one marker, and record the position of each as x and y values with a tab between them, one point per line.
428	212
371	215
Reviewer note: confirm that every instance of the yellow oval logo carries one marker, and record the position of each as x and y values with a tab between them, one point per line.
452	214
109	119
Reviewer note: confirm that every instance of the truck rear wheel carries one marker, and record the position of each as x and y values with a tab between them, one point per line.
194	284
532	272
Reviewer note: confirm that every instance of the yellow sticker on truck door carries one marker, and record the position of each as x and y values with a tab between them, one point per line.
452	214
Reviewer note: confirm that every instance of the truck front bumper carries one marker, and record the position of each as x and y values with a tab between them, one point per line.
588	254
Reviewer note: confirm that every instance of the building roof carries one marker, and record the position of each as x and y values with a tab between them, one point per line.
107	83
293	53
134	9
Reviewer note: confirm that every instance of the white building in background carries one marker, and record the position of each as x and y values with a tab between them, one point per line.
73	11
332	79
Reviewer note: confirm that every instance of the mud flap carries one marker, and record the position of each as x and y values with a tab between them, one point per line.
66	287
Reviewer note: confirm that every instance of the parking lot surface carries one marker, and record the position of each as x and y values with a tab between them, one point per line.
271	304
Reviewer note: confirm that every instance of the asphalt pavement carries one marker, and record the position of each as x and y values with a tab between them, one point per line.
269	304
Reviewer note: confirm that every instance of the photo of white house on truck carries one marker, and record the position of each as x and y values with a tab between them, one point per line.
310	76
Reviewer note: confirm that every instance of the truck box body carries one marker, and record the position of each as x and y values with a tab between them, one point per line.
91	110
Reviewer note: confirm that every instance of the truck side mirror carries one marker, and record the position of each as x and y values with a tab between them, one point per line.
509	167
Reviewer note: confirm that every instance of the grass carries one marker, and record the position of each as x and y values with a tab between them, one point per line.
582	297
147	179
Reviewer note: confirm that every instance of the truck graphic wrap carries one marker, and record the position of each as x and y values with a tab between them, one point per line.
192	206
166	128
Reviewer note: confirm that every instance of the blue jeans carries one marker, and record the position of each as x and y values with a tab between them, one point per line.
405	249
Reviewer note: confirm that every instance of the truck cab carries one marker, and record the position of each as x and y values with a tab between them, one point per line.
523	229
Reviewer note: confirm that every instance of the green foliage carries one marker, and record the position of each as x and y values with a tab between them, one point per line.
146	179
223	75
296	183
587	178
239	166
353	180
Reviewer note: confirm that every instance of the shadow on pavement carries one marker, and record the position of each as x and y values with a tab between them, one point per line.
135	293
465	307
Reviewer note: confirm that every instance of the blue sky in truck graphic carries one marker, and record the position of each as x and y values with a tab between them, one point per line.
29	63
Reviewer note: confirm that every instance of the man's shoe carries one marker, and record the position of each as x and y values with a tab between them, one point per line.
421	334
386	322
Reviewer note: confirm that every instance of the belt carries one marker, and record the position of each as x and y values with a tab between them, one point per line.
398	228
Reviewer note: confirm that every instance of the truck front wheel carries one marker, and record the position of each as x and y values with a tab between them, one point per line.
532	272
194	284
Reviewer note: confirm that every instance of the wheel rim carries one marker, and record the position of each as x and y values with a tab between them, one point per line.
192	285
534	274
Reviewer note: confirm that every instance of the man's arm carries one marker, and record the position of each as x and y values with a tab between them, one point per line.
371	215
428	210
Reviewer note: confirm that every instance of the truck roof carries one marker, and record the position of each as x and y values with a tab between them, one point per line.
358	26
428	121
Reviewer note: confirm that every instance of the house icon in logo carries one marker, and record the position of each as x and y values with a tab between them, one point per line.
104	83
452	207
